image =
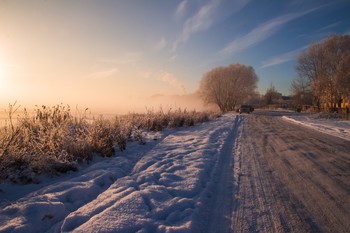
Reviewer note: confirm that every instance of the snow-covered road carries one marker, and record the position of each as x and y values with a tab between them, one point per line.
290	179
239	173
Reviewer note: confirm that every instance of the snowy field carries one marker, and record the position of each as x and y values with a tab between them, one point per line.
161	187
180	181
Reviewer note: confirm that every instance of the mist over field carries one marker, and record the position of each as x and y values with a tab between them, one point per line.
117	107
189	102
161	101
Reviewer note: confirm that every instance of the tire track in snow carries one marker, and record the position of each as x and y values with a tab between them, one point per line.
220	190
261	204
289	180
171	184
46	208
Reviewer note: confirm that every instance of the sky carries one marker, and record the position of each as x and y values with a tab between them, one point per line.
112	56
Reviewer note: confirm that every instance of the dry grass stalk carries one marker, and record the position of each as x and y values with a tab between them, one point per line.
53	141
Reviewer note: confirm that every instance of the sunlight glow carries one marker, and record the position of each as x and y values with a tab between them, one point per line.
3	74
2	68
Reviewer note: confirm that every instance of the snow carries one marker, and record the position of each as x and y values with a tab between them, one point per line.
157	187
335	127
167	185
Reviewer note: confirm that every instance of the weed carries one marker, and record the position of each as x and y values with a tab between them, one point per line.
53	141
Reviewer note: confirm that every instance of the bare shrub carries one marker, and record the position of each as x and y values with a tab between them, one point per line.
53	141
49	142
101	136
121	133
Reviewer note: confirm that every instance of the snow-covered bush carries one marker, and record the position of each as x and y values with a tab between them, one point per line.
49	142
101	137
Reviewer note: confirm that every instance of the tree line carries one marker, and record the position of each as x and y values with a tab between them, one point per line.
323	74
323	79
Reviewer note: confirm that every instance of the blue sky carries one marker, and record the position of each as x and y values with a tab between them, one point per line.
95	53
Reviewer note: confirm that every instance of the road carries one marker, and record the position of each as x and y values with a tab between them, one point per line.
238	173
288	178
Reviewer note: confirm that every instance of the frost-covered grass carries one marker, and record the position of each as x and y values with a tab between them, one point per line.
53	140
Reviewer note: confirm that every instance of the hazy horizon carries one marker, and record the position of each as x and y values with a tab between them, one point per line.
155	102
114	56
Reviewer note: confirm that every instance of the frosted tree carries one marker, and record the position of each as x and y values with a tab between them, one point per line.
272	95
228	86
301	91
326	65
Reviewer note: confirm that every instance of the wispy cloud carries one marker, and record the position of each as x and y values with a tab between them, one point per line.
200	21
322	32
282	58
204	17
101	74
164	76
161	44
330	26
173	81
261	33
173	57
130	57
181	9
127	58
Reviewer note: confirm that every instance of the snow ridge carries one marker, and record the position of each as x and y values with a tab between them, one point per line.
335	127
218	196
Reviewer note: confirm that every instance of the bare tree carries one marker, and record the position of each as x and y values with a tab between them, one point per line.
272	95
309	66
343	76
228	86
301	91
325	65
